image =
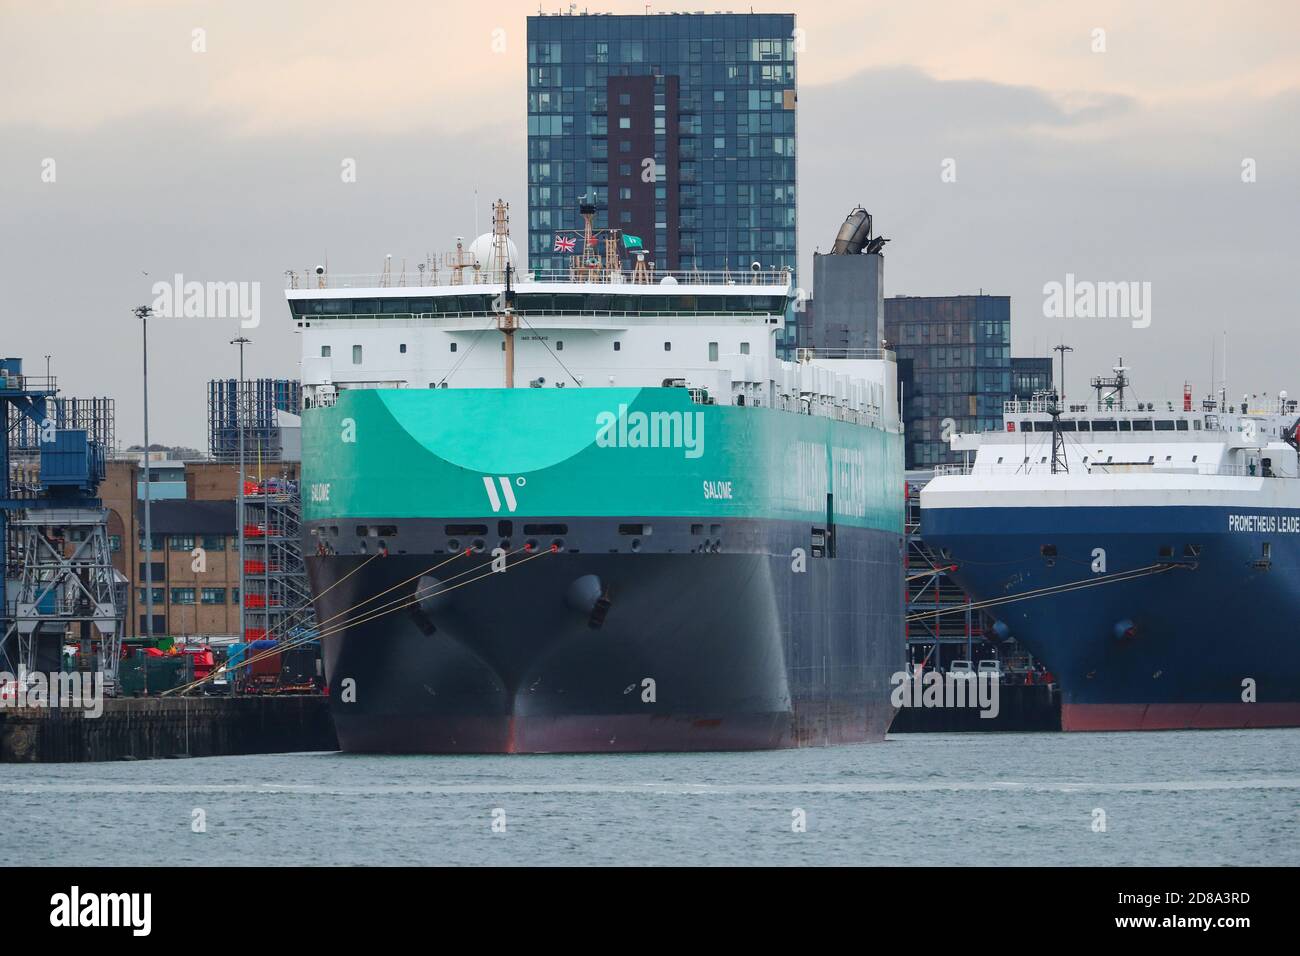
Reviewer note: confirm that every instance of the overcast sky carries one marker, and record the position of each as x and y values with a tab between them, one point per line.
224	165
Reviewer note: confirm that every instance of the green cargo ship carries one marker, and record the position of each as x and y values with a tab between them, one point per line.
593	512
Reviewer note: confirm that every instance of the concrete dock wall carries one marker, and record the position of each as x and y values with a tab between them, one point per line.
1021	708
147	728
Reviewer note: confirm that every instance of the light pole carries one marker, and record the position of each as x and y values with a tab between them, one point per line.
1062	348
239	511
142	313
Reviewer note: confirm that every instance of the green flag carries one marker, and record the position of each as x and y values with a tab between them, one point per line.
632	242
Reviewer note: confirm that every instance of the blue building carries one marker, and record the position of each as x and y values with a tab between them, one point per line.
954	362
678	127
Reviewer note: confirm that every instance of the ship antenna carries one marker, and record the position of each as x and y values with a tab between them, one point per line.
507	324
1223	379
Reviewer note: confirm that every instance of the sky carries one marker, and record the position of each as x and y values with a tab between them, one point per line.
1001	146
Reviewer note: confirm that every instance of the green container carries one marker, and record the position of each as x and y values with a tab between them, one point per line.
139	674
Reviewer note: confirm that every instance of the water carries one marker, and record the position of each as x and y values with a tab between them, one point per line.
1208	797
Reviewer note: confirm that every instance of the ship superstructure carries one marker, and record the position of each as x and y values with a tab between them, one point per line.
697	546
1149	552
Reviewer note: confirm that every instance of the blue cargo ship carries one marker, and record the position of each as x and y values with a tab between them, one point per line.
1149	554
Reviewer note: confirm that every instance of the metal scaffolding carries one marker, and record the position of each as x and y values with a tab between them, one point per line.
96	416
274	588
929	588
262	399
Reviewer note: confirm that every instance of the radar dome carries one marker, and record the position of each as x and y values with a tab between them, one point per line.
482	251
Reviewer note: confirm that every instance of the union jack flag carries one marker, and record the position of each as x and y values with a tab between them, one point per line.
565	243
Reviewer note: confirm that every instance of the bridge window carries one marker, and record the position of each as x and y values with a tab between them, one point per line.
1182	424
1164	425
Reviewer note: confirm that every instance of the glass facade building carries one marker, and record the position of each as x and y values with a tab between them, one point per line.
679	128
954	362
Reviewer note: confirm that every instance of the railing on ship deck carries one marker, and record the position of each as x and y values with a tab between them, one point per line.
660	279
1100	468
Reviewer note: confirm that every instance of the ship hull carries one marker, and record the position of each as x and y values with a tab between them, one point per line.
670	575
1202	639
692	643
1180	716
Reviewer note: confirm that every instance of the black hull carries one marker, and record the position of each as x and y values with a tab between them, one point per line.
662	651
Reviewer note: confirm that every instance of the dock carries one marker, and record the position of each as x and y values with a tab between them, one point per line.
168	727
1021	708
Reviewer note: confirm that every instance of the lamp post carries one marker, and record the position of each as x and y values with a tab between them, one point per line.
239	511
142	313
1062	348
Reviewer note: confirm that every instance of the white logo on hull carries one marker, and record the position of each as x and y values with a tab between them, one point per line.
507	492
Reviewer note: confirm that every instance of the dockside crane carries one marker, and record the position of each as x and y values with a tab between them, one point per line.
59	582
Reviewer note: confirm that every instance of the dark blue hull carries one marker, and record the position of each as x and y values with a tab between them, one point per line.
1208	641
669	642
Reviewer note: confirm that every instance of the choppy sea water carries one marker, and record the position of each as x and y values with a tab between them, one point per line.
1209	797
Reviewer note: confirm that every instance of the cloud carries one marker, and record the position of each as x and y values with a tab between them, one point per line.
225	166
1126	191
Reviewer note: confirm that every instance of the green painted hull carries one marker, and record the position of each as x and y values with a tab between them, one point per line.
748	561
414	453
